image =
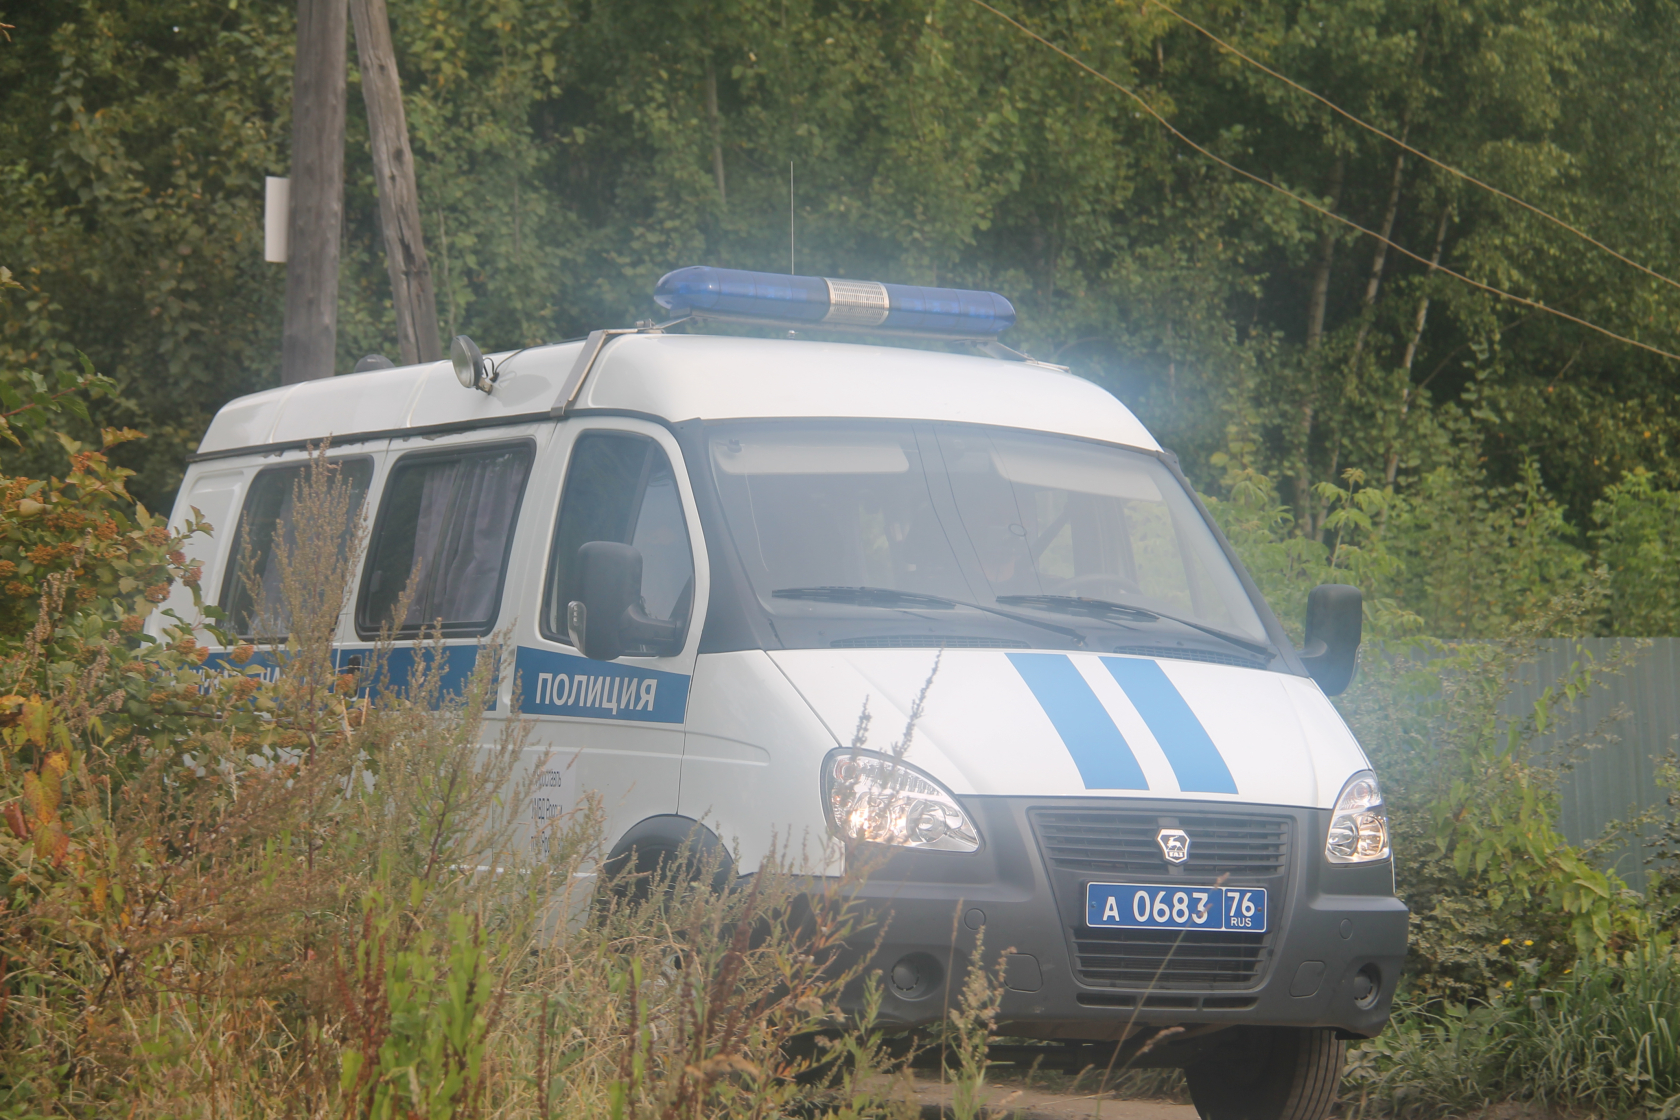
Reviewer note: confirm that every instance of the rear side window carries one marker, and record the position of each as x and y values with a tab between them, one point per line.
251	589
620	487
445	526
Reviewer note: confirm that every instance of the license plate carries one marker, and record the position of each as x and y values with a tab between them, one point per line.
1153	906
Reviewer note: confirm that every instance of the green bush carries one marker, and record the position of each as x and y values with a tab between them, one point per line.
1478	856
1533	975
1496	892
1603	1038
1639	539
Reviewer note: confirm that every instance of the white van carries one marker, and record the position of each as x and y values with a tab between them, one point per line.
714	552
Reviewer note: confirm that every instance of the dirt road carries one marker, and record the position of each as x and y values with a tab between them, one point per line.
1006	1100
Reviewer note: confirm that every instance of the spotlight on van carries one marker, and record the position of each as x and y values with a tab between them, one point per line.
471	370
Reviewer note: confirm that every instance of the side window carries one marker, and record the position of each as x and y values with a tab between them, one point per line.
259	611
619	487
442	540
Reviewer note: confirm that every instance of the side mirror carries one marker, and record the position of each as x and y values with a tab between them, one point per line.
607	616
1335	619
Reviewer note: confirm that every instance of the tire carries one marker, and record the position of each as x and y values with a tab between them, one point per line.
1271	1073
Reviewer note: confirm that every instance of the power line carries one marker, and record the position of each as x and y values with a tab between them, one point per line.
1426	157
1313	206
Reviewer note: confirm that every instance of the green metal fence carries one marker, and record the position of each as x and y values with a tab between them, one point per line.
1620	730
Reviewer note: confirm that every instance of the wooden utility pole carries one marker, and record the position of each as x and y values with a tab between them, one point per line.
399	199
309	339
717	130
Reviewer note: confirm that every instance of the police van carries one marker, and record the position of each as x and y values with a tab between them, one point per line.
713	552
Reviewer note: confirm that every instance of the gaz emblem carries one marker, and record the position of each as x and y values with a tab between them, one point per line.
1175	844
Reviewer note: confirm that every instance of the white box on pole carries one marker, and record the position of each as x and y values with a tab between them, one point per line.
277	212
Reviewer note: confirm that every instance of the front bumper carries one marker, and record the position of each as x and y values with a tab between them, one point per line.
1331	957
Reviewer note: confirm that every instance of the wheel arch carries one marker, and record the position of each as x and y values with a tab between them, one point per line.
668	836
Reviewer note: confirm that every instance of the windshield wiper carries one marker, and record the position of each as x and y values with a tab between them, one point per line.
1074	603
865	597
889	598
1079	604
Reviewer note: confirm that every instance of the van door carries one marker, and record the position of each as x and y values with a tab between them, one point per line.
440	553
612	728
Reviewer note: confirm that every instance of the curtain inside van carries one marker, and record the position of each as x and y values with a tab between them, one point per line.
446	525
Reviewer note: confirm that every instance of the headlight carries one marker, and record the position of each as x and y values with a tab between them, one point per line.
1358	823
876	798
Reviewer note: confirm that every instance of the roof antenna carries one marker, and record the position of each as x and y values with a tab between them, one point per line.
791	269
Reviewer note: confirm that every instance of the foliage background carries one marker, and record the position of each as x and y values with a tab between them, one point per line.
568	156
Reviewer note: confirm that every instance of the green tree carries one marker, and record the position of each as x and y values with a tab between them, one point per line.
1639	540
133	143
569	154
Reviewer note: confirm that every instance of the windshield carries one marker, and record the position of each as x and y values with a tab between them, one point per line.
862	532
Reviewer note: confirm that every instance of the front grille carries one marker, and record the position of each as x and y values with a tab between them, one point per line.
1096	844
1147	958
922	641
1100	844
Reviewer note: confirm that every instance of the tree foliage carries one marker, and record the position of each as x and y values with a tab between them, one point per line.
570	153
1639	538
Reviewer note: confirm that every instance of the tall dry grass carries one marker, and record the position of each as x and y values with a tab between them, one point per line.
288	891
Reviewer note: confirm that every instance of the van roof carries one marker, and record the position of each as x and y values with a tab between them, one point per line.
681	377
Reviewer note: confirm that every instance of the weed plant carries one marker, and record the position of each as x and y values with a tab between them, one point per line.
267	888
1604	1039
1473	807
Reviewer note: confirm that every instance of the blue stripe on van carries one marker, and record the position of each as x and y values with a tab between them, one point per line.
1196	762
453	673
1096	745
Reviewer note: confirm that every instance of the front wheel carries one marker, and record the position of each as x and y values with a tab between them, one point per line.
1271	1073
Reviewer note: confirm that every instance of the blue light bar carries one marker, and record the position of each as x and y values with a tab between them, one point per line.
770	297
